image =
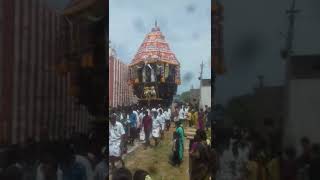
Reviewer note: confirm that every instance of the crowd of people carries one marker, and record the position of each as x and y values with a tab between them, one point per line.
80	158
249	155
202	157
131	124
135	123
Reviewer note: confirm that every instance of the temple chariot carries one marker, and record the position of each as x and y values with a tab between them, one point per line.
154	72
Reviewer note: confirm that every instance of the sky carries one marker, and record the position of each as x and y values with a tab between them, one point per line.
185	24
253	40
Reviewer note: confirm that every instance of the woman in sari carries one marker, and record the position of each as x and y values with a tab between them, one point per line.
194	118
181	135
200	158
201	119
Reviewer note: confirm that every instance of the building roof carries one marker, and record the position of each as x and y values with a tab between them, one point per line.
206	82
155	47
195	91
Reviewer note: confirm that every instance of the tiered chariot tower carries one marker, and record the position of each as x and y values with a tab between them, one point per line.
154	72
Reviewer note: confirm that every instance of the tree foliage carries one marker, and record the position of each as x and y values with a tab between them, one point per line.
185	96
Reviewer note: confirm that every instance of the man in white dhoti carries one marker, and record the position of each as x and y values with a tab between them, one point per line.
116	139
162	122
156	127
141	130
181	115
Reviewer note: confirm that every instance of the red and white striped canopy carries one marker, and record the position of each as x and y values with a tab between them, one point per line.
155	48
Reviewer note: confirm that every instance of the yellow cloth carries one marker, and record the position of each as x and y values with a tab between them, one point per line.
273	169
194	118
189	117
252	168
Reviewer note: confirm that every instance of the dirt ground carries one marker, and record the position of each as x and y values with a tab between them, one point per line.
155	160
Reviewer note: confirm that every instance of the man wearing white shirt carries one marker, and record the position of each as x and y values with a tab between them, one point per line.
156	127
137	116
141	130
181	115
185	116
136	113
187	108
116	139
159	108
162	122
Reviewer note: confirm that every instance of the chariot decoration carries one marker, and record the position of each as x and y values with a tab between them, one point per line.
154	72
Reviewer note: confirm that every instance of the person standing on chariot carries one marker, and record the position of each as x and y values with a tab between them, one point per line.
144	74
152	73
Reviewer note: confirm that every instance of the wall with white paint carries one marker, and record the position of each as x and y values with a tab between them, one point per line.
303	111
205	96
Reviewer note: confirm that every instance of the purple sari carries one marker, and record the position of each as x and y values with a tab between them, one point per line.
200	120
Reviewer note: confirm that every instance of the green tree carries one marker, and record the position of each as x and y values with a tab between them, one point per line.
185	96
